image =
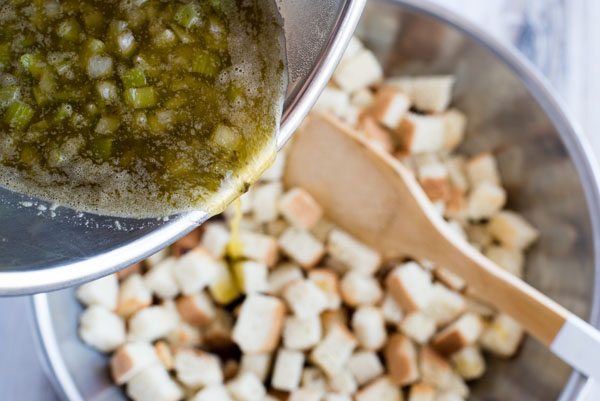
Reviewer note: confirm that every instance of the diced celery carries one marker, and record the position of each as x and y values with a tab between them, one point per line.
63	68
102	147
216	36
47	81
18	115
94	21
41	98
166	38
107	125
5	56
69	29
141	98
188	15
34	63
134	78
9	94
64	111
183	36
206	63
29	155
25	40
94	46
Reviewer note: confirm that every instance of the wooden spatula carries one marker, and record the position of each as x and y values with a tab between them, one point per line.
372	196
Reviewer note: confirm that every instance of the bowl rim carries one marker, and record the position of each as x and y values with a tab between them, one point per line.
570	132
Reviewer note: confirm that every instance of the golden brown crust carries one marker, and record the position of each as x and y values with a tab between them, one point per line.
400	359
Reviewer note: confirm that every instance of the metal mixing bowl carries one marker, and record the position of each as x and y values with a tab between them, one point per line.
43	249
544	163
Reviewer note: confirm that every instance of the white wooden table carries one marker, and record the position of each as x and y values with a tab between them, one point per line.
559	36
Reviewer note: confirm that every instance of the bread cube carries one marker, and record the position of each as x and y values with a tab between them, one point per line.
359	289
483	168
431	93
457	173
301	333
378	136
257	364
434	180
485	200
251	276
153	384
195	270
224	288
133	296
246	387
401	360
332	100
321	229
448	396
301	247
362	98
421	392
389	106
503	336
215	392
300	208
337	397
444	305
150	324
358	72
231	368
418	326
435	369
196	309
275	172
217	335
334	350
130	359
281	276
103	292
265	201
156	257
511	260
381	389
195	368
164	354
327	280
287	370
215	239
276	227
449	279
479	236
512	230
459	334
160	279
365	366
477	306
259	247
329	318
456	385
455	123
392	311
101	329
421	133
305	394
129	270
184	334
342	382
258	327
186	243
410	285
469	362
369	327
305	298
357	256
314	378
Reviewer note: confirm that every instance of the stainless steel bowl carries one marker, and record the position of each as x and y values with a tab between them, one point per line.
544	162
44	249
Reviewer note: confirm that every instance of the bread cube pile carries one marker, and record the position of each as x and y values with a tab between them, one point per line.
308	312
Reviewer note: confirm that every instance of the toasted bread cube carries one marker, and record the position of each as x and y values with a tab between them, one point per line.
305	298
151	323
369	327
359	289
479	236
353	253
305	394
287	370
195	368
421	392
184	335
259	247
251	276
434	181
258	327
392	311
103	292
419	133
418	326
410	285
337	397
444	305
327	280
457	173
231	368
459	334
448	396
257	364
358	72
389	106
301	333
156	257
265	201
195	270
133	296
455	123
457	386
224	288
281	276
435	369
313	377
246	387
485	200
153	384
483	168
334	350
275	172
164	354
215	239
503	336
186	243
511	260
301	247
332	100
300	208
130	359
401	360
477	306
469	362
365	366
378	136
129	270
431	93
342	382
196	309
101	328
362	98
381	389
160	279
449	279
215	392
218	334
276	227
329	318
512	230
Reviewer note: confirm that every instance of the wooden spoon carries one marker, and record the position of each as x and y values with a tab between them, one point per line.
371	195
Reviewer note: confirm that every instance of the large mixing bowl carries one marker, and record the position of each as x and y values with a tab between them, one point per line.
545	166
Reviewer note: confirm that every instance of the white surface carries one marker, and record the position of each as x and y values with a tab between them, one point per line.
578	344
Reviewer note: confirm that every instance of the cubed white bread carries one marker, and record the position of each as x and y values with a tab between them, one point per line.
456	385
251	276
164	353
130	359
301	333
511	260
391	309
478	235
401	360
354	47
231	368
360	289
512	230
186	243
421	392
305	394
129	270
353	253
270	397
195	270
449	279
133	296
224	288
334	350
444	305
368	326
215	239
257	364
362	98
455	123
359	71
332	100
153	384
434	368
150	324
156	257
410	285
184	334
457	173
258	327
265	201
259	247
503	336
462	332
485	200
329	318
281	276
431	93
418	326
477	306
276	227
218	333
434	180
160	279
421	160
337	397
196	309
215	392
300	208
195	368
365	366
389	106
275	172
469	362
103	292
418	133
482	168
327	280
313	377
287	370
381	389
378	136
246	387
101	328
448	396
351	115
304	298
342	382
301	247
